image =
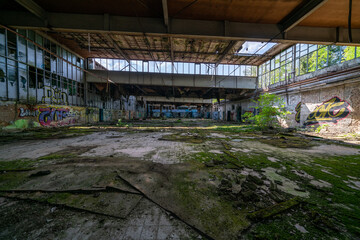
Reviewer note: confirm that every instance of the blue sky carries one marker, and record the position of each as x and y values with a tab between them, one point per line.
252	47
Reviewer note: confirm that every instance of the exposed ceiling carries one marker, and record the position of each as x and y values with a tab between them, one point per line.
334	13
203	31
148	46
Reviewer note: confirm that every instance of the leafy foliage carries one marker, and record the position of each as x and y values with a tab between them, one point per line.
271	108
318	129
247	117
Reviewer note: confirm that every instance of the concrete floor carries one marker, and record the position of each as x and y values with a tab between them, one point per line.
175	180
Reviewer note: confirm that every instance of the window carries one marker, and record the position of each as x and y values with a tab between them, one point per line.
348	53
2	42
334	55
146	66
303	65
39	52
322	57
40	78
2	70
256	47
11	44
22	46
32	77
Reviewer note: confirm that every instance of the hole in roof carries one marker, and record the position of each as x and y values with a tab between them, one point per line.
255	47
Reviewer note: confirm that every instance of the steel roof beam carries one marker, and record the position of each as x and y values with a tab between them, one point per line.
34	8
180	28
304	10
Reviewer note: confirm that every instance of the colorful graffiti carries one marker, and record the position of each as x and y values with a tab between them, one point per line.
54	96
23	112
298	112
332	110
52	114
48	115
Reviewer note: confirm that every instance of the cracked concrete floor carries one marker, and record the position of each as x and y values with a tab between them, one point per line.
143	145
29	220
178	183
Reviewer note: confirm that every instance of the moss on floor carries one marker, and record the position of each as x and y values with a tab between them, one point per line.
18	165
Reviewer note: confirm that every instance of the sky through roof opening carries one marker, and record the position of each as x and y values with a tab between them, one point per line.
253	47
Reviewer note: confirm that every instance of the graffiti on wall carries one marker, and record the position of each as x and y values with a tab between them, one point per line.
23	112
49	115
46	115
332	110
55	96
298	112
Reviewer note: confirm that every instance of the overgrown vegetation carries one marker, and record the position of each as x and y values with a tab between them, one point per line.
120	123
271	109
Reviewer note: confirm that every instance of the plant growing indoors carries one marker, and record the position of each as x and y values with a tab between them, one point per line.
271	108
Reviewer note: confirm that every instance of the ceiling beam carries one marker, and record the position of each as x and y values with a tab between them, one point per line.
181	28
225	52
34	8
301	12
173	99
166	14
116	46
172	49
170	80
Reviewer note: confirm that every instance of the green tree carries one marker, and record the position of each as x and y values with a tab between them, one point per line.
271	107
322	56
349	53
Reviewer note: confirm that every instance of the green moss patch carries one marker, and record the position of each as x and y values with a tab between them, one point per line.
17	165
192	138
288	142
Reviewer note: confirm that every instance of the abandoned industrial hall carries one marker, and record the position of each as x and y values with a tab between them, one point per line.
180	119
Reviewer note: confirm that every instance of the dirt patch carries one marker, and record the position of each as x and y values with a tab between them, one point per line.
288	142
189	138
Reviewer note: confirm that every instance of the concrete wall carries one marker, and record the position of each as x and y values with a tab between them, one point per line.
15	115
337	105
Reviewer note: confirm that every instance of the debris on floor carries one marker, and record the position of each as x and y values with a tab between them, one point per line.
153	182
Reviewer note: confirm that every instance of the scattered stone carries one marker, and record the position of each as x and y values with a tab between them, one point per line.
272	159
236	188
216	151
320	183
302	174
300	228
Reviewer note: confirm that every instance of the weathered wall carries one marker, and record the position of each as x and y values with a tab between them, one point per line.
16	115
338	106
111	115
